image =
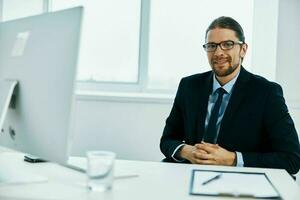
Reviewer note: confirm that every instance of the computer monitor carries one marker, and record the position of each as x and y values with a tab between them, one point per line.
40	54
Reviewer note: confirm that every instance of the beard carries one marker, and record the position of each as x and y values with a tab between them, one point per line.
225	70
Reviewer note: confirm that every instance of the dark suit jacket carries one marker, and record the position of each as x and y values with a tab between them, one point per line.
256	121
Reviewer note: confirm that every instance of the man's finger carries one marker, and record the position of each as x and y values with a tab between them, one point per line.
210	145
200	150
203	156
205	147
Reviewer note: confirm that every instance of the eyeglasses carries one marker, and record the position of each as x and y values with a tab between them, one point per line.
224	45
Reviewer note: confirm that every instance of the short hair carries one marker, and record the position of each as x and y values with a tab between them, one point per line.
228	23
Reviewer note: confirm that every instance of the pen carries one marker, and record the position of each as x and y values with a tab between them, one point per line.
212	179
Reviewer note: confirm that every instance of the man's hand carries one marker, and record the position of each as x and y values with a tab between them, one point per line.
208	154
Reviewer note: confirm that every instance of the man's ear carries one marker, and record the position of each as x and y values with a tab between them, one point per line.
244	50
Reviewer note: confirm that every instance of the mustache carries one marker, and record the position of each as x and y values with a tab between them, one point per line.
216	59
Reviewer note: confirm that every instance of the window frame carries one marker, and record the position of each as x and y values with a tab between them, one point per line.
141	84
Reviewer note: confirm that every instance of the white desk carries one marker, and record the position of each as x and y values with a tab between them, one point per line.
156	180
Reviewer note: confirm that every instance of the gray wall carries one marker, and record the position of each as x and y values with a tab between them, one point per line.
288	48
288	60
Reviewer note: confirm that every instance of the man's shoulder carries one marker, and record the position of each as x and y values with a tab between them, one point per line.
263	83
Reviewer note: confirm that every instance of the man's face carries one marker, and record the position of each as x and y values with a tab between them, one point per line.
224	62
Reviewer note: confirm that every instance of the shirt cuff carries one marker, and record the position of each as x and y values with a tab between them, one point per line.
175	152
239	159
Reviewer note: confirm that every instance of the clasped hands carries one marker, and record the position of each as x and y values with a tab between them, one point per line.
208	154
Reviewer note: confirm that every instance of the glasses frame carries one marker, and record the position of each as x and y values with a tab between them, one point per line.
220	45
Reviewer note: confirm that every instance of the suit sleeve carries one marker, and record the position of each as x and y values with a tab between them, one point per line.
282	138
174	128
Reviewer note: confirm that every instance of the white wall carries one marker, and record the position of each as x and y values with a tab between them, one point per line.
264	38
130	127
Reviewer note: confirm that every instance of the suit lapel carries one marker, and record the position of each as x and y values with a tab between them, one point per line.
239	93
204	91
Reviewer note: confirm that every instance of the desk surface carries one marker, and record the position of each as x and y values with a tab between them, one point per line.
156	180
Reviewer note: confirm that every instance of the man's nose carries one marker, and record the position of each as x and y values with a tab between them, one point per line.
219	51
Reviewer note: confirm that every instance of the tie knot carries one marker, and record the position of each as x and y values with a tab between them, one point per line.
221	91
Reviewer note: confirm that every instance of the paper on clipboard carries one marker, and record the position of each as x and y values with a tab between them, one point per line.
255	185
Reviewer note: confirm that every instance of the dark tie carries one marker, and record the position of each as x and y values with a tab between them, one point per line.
210	135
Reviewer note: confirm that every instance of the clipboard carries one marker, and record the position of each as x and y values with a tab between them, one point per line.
232	184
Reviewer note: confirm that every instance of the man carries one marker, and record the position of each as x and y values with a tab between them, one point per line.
229	116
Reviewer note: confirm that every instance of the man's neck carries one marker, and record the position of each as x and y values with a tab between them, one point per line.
225	79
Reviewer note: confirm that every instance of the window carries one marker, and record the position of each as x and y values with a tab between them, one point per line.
172	41
177	31
110	39
149	45
13	9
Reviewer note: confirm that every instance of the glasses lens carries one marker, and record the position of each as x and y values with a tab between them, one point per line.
227	45
210	46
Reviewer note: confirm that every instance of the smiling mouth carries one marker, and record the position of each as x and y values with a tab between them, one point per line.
221	61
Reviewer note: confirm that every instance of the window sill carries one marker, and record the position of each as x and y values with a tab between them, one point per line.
125	97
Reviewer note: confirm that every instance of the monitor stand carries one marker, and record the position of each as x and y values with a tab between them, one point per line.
10	173
7	92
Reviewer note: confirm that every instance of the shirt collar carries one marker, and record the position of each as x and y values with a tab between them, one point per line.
227	87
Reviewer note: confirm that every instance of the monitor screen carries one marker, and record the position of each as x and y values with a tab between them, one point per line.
40	53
